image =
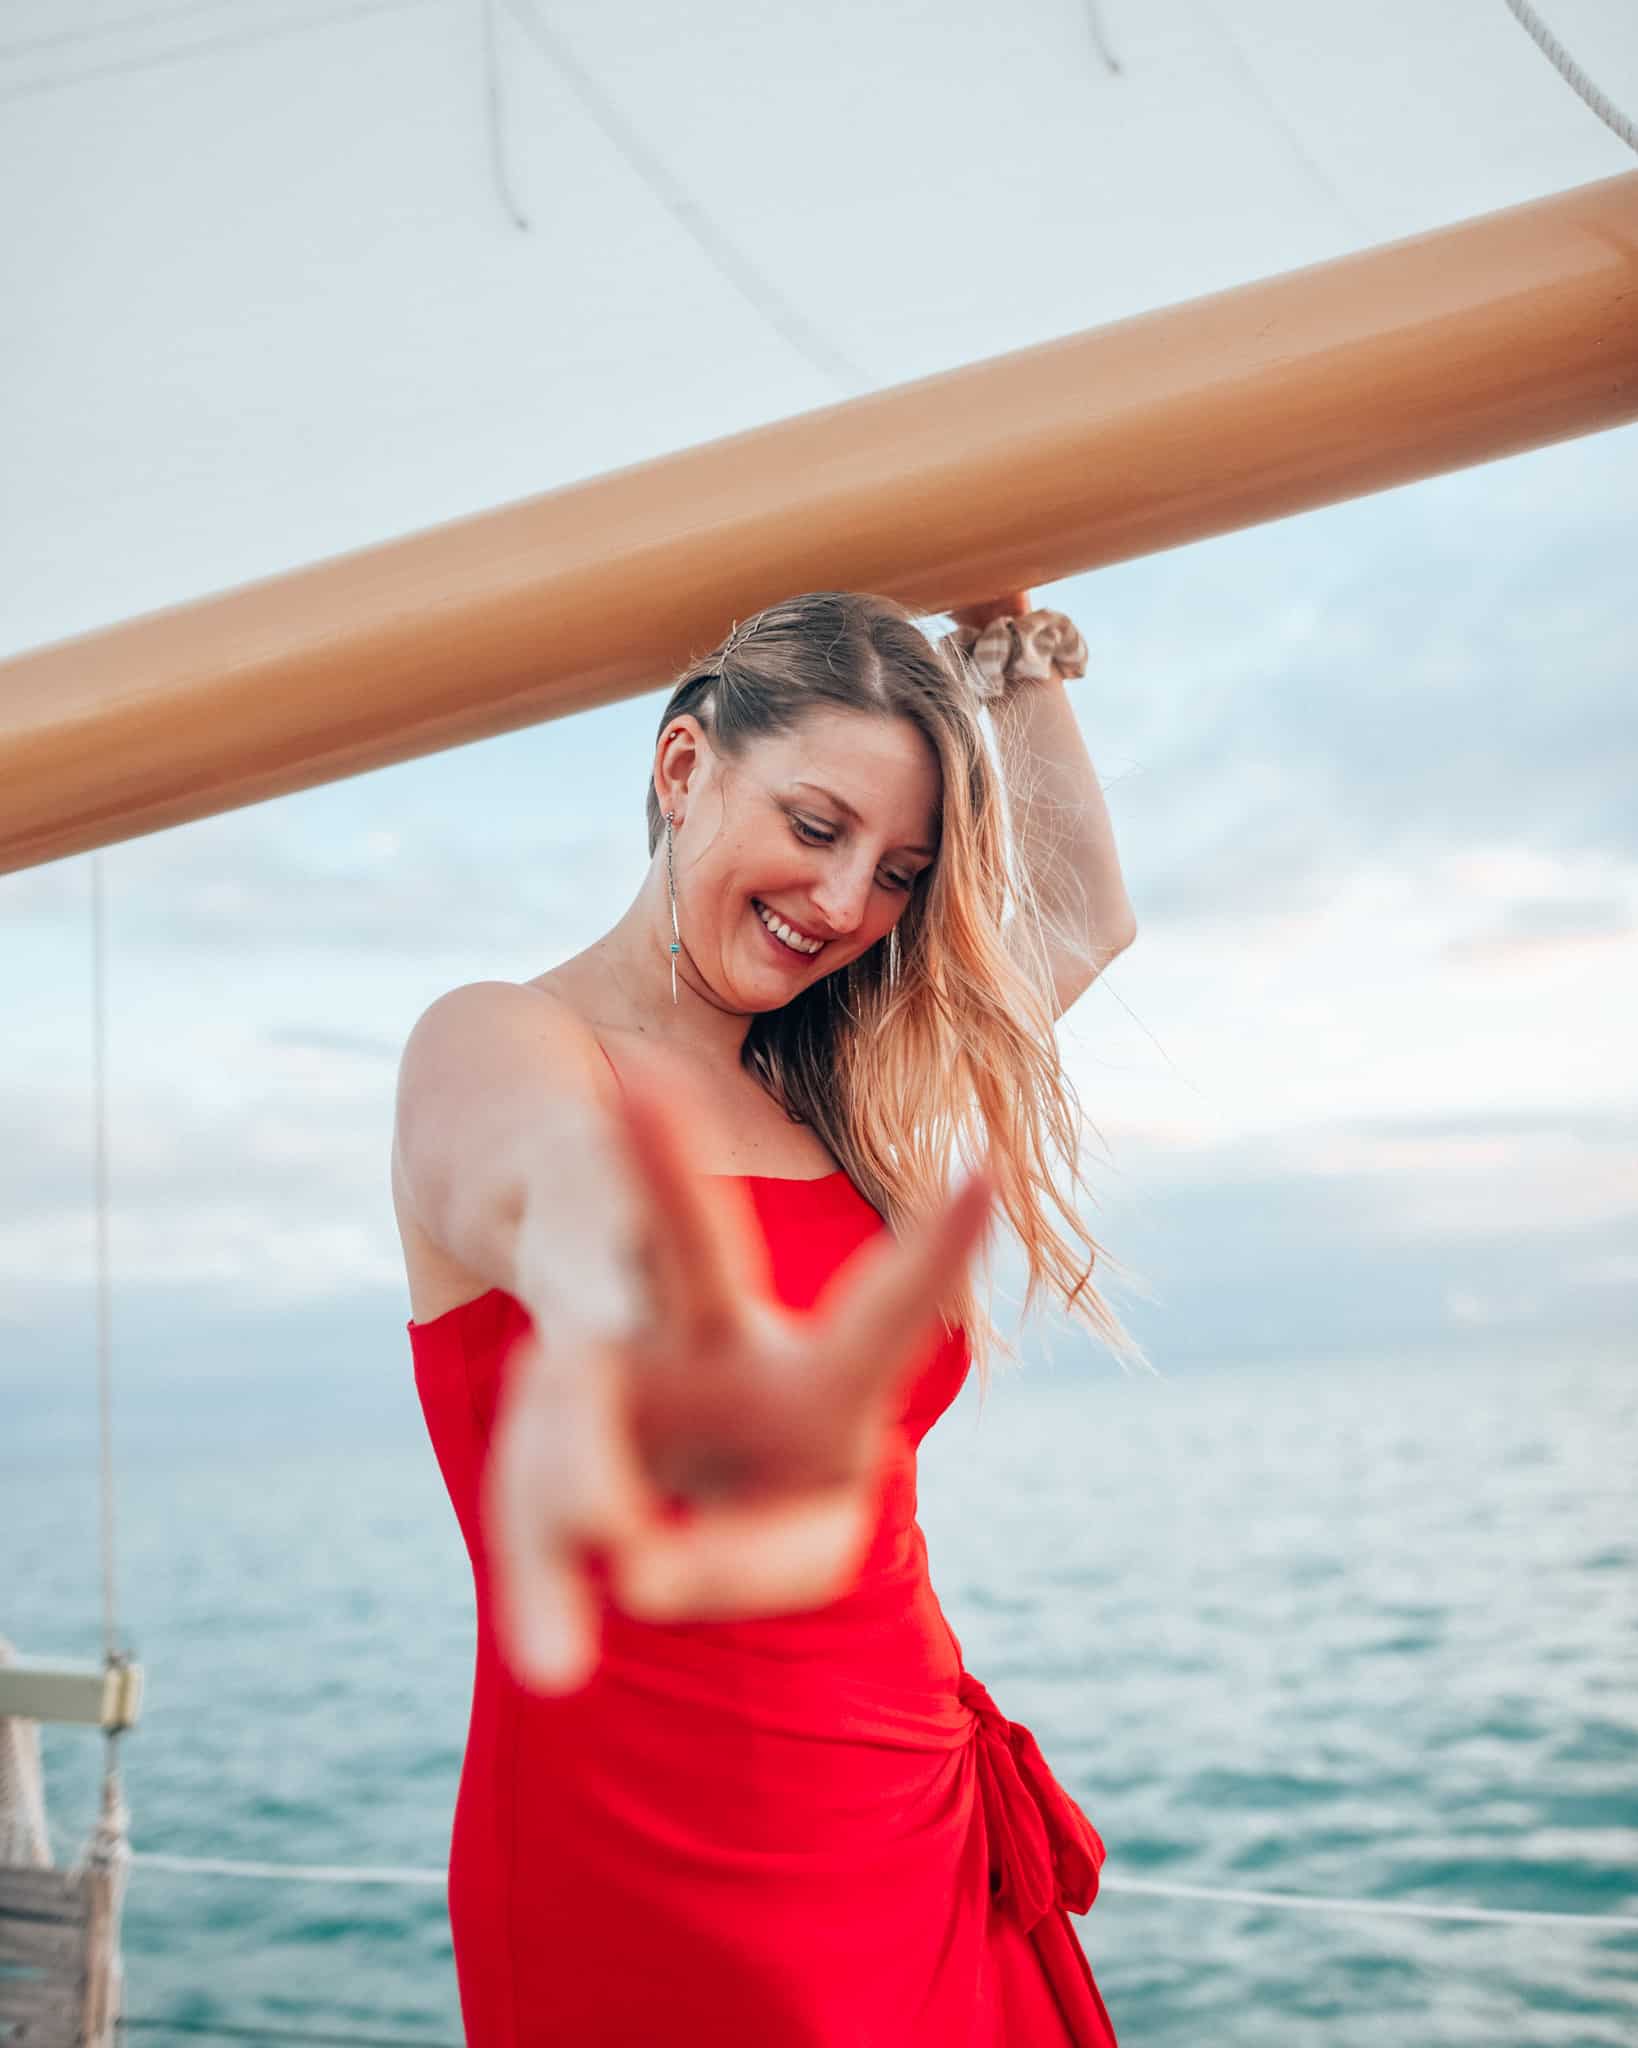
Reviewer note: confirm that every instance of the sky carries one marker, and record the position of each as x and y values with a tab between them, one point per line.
1363	1083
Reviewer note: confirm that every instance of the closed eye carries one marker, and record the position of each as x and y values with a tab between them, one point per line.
813	836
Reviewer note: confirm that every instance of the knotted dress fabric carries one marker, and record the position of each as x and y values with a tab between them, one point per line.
811	1830
1045	1851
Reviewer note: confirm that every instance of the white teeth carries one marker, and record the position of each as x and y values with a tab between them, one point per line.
785	935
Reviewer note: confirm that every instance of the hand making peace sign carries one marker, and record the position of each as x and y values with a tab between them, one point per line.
772	1423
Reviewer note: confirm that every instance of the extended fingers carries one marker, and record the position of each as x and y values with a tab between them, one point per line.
877	1312
559	1476
701	1235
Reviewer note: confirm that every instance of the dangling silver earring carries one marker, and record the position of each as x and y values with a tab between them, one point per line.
892	959
671	886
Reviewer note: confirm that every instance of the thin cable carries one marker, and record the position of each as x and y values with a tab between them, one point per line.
412	1874
224	2031
1309	1902
205	48
294	1873
1571	72
497	119
105	1377
736	268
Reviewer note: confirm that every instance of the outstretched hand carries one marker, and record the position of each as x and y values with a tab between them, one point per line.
771	1424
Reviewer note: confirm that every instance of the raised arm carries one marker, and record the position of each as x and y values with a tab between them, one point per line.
1065	836
1066	839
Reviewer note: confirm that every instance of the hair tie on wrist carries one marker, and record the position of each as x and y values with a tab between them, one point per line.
1008	653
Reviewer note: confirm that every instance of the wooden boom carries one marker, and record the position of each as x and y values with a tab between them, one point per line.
1481	340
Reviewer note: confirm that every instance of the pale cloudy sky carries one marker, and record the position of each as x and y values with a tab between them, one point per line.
1366	1078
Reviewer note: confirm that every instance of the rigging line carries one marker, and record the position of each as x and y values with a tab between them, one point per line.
295	1873
222	2030
1405	1909
209	46
495	115
340	1873
1571	72
1100	41
105	1377
736	268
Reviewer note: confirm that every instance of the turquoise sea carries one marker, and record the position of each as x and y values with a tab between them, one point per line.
1358	1630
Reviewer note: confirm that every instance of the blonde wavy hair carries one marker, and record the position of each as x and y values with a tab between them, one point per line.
959	1057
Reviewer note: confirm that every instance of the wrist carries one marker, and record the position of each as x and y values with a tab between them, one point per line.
1014	653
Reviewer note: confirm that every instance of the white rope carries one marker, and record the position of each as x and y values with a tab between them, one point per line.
1309	1902
1571	72
410	1874
105	1378
294	1873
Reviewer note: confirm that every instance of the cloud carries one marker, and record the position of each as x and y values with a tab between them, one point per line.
276	1198
231	890
1615	1123
1548	924
1392	681
321	1039
1335	1236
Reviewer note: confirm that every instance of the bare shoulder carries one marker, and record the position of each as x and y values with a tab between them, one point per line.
489	1007
475	1054
486	1028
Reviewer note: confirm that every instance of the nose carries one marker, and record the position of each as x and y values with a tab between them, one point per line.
843	895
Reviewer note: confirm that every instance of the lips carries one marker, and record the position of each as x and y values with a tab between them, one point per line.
787	922
764	912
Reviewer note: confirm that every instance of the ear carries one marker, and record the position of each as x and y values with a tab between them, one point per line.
677	758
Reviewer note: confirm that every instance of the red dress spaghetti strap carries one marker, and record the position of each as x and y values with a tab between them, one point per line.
799	1831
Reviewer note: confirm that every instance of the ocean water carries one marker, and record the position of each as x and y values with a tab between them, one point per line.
1366	1630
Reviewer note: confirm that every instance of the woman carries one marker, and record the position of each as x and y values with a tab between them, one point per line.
687	1292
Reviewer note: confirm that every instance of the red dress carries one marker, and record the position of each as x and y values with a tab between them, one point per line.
798	1831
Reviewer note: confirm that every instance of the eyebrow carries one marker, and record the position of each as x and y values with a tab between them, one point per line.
844	806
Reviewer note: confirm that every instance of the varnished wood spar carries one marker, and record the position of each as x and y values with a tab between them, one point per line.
1480	340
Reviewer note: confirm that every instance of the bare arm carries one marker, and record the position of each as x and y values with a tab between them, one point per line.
1065	836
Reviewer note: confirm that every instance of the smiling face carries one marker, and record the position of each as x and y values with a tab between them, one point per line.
800	853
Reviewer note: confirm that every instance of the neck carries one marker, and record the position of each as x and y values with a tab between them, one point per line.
635	954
